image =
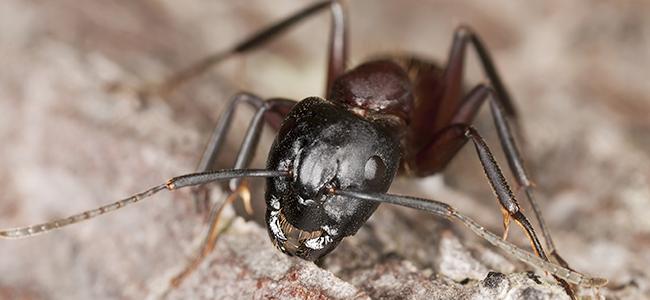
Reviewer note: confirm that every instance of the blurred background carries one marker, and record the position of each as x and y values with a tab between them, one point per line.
577	71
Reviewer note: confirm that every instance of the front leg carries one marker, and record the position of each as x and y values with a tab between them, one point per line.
456	109
238	187
458	134
267	112
466	114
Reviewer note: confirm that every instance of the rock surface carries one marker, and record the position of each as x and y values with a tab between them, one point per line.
578	72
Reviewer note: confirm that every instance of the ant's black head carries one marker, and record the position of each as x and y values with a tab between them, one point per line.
325	146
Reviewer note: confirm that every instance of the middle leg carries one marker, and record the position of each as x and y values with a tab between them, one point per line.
271	112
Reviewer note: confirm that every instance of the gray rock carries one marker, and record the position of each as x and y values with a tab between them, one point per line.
578	71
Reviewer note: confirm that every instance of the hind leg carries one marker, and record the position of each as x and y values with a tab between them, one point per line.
337	54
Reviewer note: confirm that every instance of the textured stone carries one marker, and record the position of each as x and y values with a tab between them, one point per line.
578	72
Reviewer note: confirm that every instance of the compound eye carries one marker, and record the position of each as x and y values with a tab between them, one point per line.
375	171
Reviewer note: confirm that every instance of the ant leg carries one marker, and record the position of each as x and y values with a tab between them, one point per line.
449	140
246	153
201	193
277	106
466	115
211	237
502	189
338	50
463	37
455	136
444	210
252	137
338	46
239	188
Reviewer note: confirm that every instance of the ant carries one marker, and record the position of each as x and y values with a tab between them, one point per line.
334	159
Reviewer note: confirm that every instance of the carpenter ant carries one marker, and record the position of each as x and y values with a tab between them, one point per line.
334	159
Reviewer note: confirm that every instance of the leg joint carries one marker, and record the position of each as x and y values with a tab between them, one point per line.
463	31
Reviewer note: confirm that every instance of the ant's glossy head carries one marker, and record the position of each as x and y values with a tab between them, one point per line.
326	146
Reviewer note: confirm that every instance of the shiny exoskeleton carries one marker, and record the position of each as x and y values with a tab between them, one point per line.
353	140
326	145
334	158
